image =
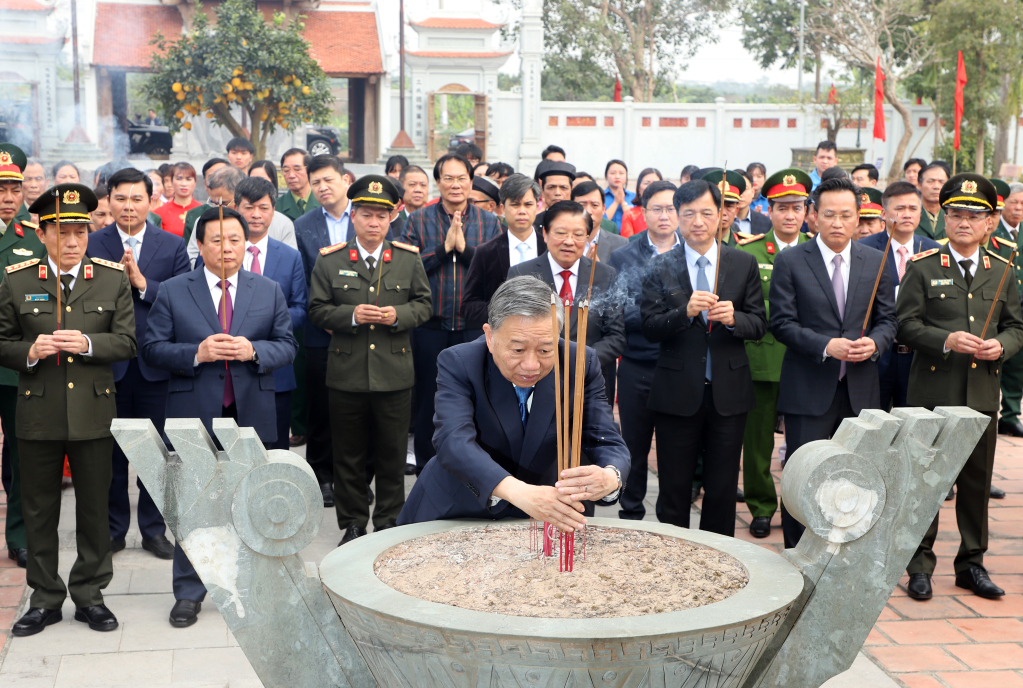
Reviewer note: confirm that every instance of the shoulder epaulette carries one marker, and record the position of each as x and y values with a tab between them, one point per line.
108	263
19	266
998	241
31	225
749	238
943	242
995	255
407	247
330	249
924	254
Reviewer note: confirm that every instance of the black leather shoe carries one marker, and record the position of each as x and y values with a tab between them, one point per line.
35	620
410	469
951	494
98	617
760	527
160	546
370	495
919	587
997	493
297	440
116	545
740	496
351	533
184	613
1011	429
19	556
977	581
696	494
328	494
377	529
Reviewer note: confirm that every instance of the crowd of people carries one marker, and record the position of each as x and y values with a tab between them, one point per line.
347	312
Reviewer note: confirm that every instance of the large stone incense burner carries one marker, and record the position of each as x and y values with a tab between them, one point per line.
244	514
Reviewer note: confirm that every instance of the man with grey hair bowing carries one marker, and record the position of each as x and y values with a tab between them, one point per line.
495	434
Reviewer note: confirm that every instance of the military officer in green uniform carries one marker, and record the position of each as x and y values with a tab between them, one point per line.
944	301
871	211
786	192
370	294
18	243
63	353
732	187
1003	244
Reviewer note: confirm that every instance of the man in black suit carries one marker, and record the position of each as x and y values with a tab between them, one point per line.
566	227
820	293
703	387
521	243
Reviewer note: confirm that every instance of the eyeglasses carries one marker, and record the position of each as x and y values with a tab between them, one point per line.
658	211
972	218
451	180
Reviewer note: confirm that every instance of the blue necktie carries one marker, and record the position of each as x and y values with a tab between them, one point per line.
133	244
702	284
523	394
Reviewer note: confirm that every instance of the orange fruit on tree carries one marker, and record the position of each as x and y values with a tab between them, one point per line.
187	125
176	87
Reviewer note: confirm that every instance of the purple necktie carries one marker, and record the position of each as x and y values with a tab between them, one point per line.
255	269
838	284
225	316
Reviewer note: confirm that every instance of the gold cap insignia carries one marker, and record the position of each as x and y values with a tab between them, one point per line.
723	185
376	187
865	198
969	186
71	198
789	180
5	158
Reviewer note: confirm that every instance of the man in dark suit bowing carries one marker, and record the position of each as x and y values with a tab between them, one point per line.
150	257
820	293
522	242
566	270
221	350
703	388
495	433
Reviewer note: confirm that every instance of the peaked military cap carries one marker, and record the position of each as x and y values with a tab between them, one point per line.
970	192
870	202
1002	189
732	186
788	182
12	163
76	202
549	167
487	186
374	190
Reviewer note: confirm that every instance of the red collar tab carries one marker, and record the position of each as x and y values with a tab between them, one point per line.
387	256
18	230
987	263
43	272
88	272
770	247
945	260
353	255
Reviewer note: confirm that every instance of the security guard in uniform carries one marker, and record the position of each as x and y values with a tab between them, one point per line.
786	192
370	293
66	400
731	188
944	301
1003	244
18	243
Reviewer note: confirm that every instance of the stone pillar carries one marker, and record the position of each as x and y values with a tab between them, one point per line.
531	54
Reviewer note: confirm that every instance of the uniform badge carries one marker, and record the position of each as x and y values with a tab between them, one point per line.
88	272
941	283
865	198
969	186
37	297
71	197
42	272
387	252
987	263
765	266
376	187
723	185
22	252
5	158
353	255
17	230
945	262
770	247
348	273
788	180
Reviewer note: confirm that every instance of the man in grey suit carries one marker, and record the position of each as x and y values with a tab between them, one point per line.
604	232
566	228
820	293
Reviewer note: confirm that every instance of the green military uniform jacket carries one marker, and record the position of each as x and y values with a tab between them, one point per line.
287	205
18	244
369	358
935	301
925	228
74	400
190	217
766	354
1001	242
23	215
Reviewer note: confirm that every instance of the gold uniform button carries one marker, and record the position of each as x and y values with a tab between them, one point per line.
108	391
942	296
372	327
932	369
372	289
70	360
35	310
70	385
969	296
974	365
372	346
28	392
971	318
402	349
69	309
398	287
99	308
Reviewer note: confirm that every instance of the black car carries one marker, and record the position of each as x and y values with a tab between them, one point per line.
149	139
323	140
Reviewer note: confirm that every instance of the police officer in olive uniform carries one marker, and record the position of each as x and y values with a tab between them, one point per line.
370	293
944	301
786	192
66	400
732	187
18	243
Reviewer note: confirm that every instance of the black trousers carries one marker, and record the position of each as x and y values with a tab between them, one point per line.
318	450
680	440
973	488
801	429
429	342
637	422
893	374
137	397
42	469
283	402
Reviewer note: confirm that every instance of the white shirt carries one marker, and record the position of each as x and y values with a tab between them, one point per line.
956	258
1011	230
138	247
74	274
261	245
213	281
556	270
692	256
530	252
895	253
654	246
363	253
782	245
829	257
337	228
745	225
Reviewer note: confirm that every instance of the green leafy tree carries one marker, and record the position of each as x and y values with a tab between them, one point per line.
770	31
575	78
240	62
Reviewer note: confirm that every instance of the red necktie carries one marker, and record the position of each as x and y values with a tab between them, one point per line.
902	262
566	288
226	314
